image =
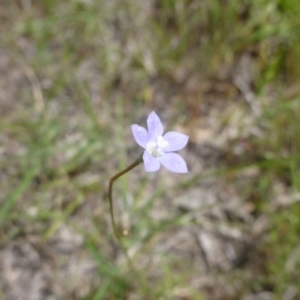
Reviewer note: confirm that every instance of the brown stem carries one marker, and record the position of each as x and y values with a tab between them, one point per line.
111	181
116	233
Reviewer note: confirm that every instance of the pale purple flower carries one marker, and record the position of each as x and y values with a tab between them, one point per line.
159	148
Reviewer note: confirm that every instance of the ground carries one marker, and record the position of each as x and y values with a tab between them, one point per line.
75	75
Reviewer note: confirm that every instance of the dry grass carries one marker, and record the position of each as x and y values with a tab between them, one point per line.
75	75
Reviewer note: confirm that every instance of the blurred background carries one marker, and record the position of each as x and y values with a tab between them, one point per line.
74	75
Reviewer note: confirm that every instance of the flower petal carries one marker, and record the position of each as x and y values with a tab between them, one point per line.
176	141
155	127
150	162
173	162
140	135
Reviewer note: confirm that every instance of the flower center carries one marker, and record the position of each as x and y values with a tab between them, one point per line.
156	148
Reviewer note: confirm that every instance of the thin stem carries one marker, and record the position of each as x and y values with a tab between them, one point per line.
116	232
111	181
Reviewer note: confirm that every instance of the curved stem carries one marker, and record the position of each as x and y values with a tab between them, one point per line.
115	229
111	181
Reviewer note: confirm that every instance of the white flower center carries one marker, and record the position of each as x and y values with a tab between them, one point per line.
156	148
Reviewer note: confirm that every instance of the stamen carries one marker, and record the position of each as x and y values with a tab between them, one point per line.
161	142
154	149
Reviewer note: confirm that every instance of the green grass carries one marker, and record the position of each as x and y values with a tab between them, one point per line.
102	66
